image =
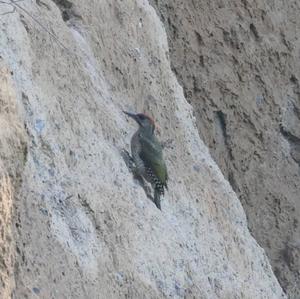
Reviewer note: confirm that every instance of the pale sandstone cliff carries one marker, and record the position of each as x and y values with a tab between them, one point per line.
76	224
238	62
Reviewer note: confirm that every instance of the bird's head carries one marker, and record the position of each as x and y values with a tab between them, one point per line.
144	121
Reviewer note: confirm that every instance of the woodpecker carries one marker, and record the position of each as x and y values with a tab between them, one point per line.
147	155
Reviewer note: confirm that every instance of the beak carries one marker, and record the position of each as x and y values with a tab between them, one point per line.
132	115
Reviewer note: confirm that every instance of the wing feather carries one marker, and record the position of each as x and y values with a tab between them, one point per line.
151	153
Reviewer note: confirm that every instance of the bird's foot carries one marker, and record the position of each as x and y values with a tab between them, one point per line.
145	186
148	192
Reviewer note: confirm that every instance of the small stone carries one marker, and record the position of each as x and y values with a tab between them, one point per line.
36	290
196	168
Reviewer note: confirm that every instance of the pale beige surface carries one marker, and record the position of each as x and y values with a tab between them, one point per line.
238	62
82	227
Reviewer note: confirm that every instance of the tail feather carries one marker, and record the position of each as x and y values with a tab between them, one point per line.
156	200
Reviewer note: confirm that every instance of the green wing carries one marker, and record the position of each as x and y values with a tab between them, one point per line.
151	153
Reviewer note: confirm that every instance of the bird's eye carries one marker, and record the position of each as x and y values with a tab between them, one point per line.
142	117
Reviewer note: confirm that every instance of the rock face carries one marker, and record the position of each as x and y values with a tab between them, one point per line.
76	223
13	152
239	66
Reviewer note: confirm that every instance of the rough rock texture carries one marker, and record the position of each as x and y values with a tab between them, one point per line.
81	227
238	62
12	159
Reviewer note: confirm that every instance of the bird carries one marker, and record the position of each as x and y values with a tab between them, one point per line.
147	156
